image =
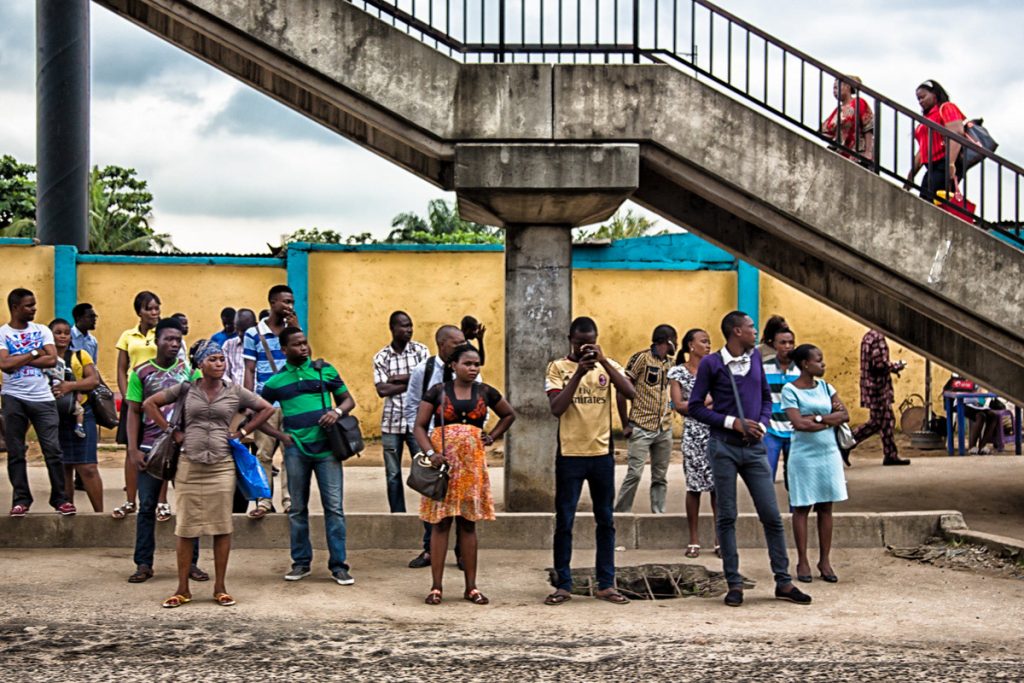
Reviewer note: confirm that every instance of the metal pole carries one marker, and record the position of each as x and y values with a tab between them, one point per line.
62	122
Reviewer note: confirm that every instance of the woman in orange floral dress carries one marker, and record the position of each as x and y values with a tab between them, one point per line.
460	405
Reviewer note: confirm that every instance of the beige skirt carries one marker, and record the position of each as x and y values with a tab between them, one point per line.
204	495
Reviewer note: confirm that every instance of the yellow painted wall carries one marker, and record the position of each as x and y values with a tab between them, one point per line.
30	267
353	293
838	336
198	291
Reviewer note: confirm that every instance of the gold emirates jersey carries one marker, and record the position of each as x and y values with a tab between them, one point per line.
585	428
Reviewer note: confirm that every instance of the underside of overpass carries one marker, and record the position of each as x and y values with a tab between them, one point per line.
541	147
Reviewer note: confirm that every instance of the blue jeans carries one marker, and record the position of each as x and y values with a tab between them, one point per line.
392	445
599	474
749	463
330	480
145	522
775	447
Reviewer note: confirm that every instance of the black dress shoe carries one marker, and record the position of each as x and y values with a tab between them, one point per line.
804	578
794	594
896	461
420	561
734	598
830	578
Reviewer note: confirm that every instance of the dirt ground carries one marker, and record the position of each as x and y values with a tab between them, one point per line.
69	616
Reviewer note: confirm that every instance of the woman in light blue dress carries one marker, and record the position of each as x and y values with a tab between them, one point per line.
816	477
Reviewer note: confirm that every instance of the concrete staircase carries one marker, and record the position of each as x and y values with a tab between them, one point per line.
705	161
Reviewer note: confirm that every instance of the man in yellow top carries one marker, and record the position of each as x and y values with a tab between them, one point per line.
648	422
579	388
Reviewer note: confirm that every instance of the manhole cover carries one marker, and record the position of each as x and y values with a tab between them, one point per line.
656	581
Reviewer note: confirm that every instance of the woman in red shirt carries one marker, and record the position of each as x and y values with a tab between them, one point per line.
942	172
856	126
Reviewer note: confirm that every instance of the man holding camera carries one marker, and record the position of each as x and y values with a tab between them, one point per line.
303	388
579	389
741	409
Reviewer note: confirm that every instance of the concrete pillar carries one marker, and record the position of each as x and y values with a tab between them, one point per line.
538	310
538	192
62	122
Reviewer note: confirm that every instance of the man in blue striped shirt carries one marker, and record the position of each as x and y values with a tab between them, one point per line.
780	371
261	350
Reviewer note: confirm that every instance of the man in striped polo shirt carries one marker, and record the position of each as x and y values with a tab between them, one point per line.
780	371
304	390
648	424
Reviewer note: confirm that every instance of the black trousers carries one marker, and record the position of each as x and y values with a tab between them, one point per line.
42	415
936	177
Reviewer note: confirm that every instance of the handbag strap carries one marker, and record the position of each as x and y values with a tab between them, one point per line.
186	387
266	348
444	395
735	392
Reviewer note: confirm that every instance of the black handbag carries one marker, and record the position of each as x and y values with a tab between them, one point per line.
344	436
162	462
976	131
426	479
104	408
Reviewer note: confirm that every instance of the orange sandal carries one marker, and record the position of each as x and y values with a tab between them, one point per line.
176	601
223	599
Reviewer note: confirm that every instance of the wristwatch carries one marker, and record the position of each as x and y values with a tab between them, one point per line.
34	353
818	419
339	411
242	431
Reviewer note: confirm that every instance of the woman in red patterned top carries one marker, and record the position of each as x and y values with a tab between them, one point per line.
458	410
942	172
856	126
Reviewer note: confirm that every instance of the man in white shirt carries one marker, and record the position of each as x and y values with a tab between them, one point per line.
25	350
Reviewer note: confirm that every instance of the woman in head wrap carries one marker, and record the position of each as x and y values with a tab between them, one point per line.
204	485
851	124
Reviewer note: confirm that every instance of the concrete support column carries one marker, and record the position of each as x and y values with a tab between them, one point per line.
538	310
62	122
538	193
748	290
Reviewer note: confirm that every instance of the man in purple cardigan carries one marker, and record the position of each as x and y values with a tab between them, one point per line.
741	409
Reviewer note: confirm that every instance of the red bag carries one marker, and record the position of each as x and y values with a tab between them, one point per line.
958	205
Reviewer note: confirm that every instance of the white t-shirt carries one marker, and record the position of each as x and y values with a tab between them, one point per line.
26	383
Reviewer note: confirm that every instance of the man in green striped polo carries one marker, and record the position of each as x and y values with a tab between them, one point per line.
304	390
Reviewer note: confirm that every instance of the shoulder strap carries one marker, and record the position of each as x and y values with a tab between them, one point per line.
266	349
428	373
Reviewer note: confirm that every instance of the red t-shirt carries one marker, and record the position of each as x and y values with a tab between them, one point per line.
942	114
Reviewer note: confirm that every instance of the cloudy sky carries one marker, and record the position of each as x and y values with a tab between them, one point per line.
232	170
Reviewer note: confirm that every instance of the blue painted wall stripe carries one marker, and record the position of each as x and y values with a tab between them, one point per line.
748	291
256	262
65	280
17	241
298	280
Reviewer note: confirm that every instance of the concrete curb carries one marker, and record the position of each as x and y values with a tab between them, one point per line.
954	529
509	532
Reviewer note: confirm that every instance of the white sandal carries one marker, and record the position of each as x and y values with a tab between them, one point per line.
163	512
123	511
692	550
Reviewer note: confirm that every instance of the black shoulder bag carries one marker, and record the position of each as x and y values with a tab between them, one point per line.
344	435
424	478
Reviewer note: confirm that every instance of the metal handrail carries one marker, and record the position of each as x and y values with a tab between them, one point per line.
634	31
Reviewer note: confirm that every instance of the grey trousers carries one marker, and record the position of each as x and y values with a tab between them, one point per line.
658	445
749	463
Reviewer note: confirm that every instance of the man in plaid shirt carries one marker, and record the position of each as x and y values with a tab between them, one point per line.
876	395
391	369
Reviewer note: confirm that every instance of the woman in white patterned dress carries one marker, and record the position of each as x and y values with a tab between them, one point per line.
696	466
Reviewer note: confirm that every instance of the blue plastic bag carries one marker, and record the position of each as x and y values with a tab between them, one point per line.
252	480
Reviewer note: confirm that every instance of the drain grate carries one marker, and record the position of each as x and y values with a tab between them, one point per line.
655	581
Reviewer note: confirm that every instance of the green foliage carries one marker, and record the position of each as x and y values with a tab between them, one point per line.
314	236
442	225
17	198
622	226
120	208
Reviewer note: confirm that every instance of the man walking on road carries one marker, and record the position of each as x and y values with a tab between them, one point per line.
876	395
648	423
739	416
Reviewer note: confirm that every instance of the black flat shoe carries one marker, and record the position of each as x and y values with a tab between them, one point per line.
804	578
734	598
794	594
830	578
420	561
896	461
